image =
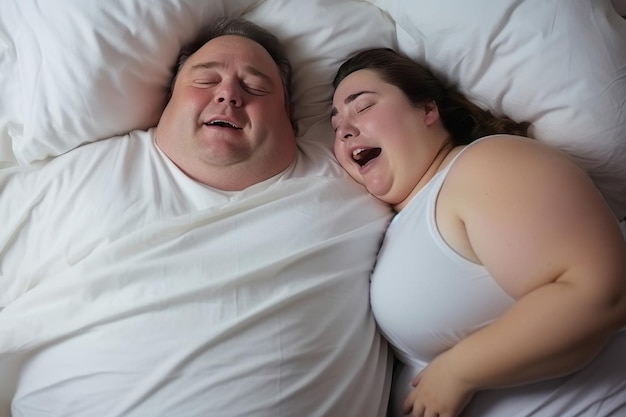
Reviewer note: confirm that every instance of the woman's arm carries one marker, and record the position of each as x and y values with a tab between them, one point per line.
536	222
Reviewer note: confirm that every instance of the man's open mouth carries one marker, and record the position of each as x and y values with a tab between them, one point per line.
363	155
222	123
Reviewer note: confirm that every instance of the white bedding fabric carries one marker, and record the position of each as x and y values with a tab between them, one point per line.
162	297
73	72
596	390
560	65
78	71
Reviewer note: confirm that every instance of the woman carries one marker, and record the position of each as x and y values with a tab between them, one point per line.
502	278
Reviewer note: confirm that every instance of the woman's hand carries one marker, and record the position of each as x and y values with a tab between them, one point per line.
438	391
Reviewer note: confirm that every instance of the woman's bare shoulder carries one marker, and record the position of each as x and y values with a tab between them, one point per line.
510	148
505	162
517	199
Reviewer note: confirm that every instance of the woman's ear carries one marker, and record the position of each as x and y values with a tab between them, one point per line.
431	112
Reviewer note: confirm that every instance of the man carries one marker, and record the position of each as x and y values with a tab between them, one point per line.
208	267
227	122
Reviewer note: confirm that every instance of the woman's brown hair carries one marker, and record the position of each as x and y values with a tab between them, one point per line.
464	120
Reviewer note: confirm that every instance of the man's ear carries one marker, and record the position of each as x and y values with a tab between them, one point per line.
431	112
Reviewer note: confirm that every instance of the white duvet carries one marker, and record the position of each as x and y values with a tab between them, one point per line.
128	289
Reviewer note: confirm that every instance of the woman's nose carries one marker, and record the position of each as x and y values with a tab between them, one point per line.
347	131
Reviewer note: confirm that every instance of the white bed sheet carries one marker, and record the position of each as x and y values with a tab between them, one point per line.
249	315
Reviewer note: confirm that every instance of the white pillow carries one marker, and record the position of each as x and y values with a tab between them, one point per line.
85	70
319	36
558	64
89	70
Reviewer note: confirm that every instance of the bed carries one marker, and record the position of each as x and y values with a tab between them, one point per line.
73	73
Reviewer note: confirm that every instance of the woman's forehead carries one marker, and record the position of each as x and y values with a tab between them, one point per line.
358	81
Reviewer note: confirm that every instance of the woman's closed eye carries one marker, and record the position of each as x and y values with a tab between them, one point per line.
363	107
358	109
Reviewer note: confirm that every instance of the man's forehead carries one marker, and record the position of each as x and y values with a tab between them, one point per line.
228	49
235	46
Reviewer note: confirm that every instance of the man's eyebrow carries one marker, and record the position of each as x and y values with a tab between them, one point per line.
248	68
349	99
206	65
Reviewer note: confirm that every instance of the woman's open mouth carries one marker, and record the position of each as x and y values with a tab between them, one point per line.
363	155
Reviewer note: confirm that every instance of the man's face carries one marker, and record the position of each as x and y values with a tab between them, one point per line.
227	124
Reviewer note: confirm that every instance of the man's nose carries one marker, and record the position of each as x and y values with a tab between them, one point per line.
229	94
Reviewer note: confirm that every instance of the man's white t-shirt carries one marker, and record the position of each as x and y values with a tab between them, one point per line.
128	289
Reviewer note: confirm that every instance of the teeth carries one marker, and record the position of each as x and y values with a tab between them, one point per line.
222	123
356	152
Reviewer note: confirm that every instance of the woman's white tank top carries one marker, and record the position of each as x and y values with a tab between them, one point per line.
425	296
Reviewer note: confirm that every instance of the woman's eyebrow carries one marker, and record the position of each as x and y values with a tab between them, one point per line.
349	99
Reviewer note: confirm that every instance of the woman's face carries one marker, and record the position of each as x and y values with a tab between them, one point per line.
381	139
